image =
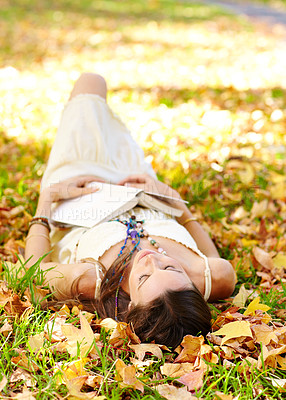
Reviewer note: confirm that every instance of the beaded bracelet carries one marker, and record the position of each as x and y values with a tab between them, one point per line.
189	220
41	221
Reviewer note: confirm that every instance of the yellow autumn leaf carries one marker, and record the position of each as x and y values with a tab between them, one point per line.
256	305
234	330
79	339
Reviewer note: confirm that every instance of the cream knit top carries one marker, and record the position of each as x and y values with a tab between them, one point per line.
81	243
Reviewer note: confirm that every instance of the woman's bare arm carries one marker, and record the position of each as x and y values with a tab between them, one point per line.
59	277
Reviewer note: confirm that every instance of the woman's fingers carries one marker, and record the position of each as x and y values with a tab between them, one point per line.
136	178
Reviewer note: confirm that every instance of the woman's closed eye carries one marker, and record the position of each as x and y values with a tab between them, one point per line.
143	276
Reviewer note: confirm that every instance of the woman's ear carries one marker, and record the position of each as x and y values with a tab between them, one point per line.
130	306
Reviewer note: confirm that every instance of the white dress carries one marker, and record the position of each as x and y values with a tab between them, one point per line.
92	140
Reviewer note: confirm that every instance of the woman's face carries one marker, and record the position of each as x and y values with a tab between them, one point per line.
152	274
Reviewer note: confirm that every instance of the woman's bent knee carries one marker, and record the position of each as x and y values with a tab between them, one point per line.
91	83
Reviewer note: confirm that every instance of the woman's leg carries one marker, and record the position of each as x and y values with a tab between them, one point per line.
91	83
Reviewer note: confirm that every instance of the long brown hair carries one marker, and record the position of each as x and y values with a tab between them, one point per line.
166	319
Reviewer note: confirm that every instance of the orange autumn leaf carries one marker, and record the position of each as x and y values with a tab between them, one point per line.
255	305
191	348
234	330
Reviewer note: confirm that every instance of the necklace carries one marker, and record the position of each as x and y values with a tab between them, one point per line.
134	231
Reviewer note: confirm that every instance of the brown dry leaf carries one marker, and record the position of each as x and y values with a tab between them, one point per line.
193	380
173	393
36	342
5	293
21	375
191	348
16	306
264	334
263	258
126	375
3	383
176	370
255	305
79	339
23	361
222	396
53	328
234	330
240	299
142	349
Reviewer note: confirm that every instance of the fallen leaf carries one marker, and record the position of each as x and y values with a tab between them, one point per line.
142	349
255	305
141	365
234	330
3	383
259	209
25	395
263	258
126	375
108	324
270	358
173	393
191	348
279	261
279	383
53	328
240	299
6	328
36	342
264	334
79	340
193	380
176	370
21	375
222	396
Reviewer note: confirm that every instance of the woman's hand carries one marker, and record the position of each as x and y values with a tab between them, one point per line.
70	188
67	189
149	184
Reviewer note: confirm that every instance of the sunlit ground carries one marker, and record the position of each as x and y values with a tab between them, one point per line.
171	72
